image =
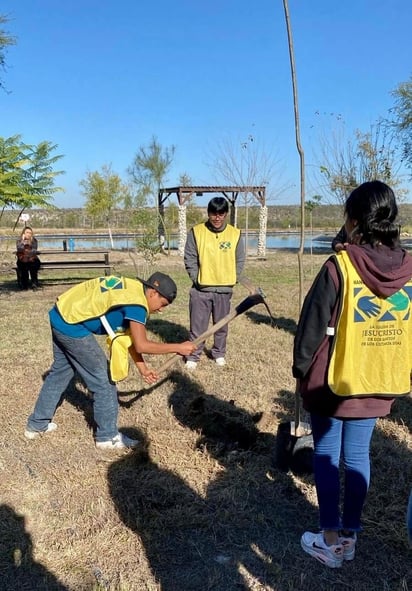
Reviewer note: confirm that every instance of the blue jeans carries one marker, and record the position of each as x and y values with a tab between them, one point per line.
85	356
351	437
409	518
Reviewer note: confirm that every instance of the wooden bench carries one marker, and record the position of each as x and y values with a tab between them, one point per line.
73	259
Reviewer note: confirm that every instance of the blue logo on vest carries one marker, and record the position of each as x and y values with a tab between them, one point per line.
108	283
383	310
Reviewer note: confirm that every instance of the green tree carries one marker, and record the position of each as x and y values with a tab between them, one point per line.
402	119
6	40
147	244
39	173
172	216
12	160
104	191
148	172
195	215
27	174
311	205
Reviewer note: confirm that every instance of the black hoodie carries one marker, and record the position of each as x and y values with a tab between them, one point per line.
384	271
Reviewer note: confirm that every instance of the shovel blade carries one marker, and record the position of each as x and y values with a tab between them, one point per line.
294	452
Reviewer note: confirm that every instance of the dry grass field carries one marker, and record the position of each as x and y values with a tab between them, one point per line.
201	505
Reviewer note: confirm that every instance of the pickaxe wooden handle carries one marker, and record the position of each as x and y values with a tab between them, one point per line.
244	306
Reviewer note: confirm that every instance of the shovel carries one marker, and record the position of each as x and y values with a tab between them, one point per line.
294	443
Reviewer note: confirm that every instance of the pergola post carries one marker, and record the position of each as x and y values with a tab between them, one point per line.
182	229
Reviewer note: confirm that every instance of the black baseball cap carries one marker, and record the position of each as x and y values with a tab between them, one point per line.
163	284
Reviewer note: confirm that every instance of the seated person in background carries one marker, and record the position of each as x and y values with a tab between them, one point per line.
340	241
28	263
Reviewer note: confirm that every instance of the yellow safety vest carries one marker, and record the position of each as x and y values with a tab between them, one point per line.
217	255
119	346
372	348
92	299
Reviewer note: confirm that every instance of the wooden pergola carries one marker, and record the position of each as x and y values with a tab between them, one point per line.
184	193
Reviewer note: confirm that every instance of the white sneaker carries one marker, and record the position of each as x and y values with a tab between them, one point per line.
220	361
315	545
120	441
191	364
349	545
29	434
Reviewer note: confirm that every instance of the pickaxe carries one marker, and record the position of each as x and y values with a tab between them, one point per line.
252	290
245	305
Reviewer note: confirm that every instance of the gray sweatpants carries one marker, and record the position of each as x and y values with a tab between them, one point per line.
202	306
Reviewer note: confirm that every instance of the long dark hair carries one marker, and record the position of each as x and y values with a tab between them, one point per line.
32	233
373	206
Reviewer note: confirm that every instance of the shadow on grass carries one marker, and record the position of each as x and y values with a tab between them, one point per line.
384	545
401	413
9	287
175	333
383	552
18	569
286	324
169	331
76	395
235	534
285	400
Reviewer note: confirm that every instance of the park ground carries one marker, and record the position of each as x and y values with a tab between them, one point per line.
201	506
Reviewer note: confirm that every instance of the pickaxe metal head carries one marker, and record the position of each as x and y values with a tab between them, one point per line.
258	290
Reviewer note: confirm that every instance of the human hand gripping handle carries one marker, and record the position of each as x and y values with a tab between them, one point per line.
186	348
151	376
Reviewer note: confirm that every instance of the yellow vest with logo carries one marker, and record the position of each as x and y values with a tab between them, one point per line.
372	349
92	299
119	355
217	255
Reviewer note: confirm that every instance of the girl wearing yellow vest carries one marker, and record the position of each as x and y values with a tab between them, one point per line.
117	304
352	355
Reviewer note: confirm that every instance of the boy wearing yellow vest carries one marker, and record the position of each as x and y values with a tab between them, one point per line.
214	259
352	355
115	304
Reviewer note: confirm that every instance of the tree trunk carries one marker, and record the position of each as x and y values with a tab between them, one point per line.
300	151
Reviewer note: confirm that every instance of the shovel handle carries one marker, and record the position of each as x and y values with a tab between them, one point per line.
298	428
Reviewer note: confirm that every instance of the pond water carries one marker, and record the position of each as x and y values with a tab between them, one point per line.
121	242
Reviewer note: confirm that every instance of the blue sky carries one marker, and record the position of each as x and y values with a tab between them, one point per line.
100	78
